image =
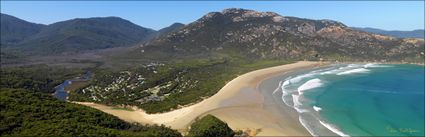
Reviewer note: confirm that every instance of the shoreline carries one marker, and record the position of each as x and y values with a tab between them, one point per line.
241	103
376	62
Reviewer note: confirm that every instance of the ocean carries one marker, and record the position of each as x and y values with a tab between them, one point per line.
358	99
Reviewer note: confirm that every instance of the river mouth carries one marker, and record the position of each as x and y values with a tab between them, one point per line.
61	91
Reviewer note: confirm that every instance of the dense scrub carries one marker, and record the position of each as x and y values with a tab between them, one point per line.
163	87
210	126
205	81
40	78
27	113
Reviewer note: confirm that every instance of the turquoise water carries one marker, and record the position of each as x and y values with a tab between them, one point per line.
359	99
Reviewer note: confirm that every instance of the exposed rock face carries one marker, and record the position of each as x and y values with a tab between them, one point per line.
269	35
307	28
279	19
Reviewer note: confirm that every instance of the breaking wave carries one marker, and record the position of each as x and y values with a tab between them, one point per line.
358	70
316	108
298	104
314	83
293	88
372	65
333	129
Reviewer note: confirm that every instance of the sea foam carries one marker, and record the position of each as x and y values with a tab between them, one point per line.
313	83
277	89
300	77
372	65
316	108
307	126
357	70
353	68
284	86
298	104
334	71
333	129
285	92
285	83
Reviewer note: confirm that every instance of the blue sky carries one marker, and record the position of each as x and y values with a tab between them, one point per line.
389	15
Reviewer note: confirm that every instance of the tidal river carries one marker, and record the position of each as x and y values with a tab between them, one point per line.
60	92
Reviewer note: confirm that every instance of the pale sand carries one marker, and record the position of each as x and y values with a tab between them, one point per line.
239	103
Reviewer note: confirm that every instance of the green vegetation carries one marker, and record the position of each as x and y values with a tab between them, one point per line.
206	81
40	78
76	85
15	30
126	109
27	113
168	72
210	126
70	36
163	87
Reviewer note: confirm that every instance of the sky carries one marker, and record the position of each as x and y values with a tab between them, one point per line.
388	15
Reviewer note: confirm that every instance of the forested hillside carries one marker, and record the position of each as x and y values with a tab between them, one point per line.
70	36
28	113
15	30
39	78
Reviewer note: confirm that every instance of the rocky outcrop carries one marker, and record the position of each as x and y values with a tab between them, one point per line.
256	35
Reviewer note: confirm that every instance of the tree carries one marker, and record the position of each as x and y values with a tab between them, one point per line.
210	126
29	113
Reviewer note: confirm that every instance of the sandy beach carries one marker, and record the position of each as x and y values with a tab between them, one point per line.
242	103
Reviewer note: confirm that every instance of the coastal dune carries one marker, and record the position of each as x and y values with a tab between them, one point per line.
240	103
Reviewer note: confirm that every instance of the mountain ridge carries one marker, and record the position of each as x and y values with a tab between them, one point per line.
15	30
263	34
270	35
82	34
173	27
417	33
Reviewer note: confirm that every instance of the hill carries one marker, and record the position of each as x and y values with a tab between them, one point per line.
195	61
265	35
15	30
26	113
419	33
83	34
210	126
173	27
